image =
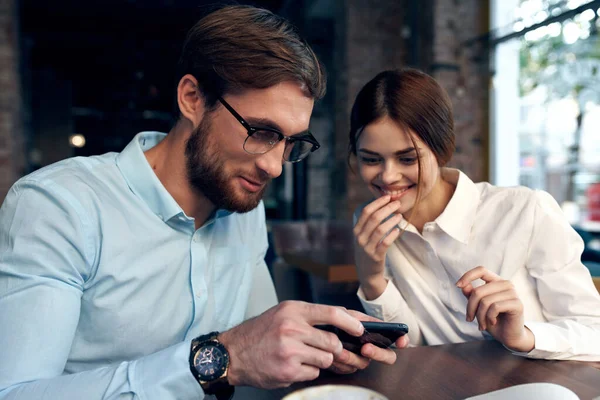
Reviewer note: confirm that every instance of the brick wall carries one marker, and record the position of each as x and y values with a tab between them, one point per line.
12	160
319	166
463	71
368	40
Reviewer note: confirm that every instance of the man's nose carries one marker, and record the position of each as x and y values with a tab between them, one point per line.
272	161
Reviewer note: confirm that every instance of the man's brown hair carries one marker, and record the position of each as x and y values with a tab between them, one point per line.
243	47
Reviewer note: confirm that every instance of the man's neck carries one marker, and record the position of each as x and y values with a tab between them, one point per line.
167	160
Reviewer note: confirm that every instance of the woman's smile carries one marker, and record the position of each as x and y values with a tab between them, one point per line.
396	192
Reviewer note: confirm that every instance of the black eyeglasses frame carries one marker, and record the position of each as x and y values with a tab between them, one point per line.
251	130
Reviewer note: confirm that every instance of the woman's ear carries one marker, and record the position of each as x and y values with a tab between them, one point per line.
190	100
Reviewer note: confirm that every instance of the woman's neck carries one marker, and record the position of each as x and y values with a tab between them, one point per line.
433	205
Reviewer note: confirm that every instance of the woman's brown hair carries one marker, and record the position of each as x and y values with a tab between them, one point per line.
416	103
244	47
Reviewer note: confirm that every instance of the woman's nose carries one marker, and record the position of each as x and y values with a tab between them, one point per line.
390	174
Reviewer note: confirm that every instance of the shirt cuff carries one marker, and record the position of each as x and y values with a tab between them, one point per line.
545	344
166	375
385	307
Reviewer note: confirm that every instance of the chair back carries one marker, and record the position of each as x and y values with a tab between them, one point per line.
335	235
290	236
295	236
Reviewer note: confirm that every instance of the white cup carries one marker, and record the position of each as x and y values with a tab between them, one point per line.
335	392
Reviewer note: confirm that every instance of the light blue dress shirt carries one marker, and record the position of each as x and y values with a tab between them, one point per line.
104	281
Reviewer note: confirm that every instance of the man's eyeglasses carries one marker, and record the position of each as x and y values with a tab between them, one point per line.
261	140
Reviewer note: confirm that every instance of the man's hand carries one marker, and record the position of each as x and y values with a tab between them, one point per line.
498	309
281	346
348	362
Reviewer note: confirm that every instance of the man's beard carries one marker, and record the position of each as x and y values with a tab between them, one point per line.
206	173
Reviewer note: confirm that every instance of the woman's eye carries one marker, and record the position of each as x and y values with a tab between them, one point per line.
408	160
367	160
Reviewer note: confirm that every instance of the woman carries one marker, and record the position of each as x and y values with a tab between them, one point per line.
456	260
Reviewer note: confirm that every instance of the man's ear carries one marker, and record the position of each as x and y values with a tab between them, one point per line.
189	100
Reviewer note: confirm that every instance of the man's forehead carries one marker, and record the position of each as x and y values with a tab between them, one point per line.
284	95
281	87
284	106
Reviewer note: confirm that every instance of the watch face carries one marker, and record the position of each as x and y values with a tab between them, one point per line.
211	361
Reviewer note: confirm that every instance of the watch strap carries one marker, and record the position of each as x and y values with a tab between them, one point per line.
220	388
225	393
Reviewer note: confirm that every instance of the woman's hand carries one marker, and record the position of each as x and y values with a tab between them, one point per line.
498	309
373	238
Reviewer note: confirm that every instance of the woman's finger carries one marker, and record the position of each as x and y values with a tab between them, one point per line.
380	216
368	210
378	242
482	291
385	228
512	306
477	273
487	302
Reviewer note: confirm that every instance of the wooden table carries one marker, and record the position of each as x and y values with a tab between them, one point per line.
334	265
454	372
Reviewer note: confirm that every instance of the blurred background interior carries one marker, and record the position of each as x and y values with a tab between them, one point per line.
82	78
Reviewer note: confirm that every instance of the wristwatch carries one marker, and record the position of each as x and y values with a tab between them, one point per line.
209	363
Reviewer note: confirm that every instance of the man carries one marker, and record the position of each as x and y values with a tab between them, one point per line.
118	272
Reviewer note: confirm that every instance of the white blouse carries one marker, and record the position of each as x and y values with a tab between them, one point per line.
519	234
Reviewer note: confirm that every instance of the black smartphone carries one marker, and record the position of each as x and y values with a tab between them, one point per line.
381	334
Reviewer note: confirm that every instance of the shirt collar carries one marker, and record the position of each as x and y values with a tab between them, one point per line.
142	180
459	215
